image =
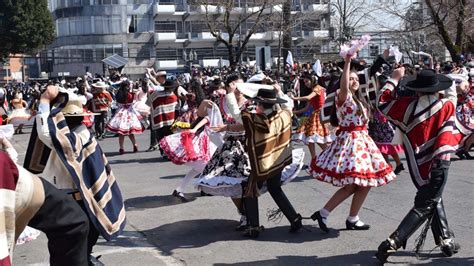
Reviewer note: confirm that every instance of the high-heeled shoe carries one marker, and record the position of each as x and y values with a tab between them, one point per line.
354	226
121	151
180	196
321	223
398	169
296	225
135	149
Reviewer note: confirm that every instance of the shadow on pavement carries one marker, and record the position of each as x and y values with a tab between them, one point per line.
149	202
200	233
132	160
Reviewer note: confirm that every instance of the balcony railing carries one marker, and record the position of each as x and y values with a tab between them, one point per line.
165	37
163	9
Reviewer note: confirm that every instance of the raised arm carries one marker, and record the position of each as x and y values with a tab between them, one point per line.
344	84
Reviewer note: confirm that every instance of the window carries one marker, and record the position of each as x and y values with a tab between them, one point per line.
137	2
105	2
137	23
168	26
62	27
107	25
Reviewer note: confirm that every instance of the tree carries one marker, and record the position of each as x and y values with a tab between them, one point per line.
445	21
350	16
233	26
24	26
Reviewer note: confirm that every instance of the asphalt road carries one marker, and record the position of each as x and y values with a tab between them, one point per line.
163	231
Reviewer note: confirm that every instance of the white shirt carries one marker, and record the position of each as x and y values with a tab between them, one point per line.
55	171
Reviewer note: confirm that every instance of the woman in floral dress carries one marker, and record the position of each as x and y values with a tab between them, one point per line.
353	161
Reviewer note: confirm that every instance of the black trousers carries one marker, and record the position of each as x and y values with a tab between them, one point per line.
428	204
94	234
274	188
99	123
161	133
65	225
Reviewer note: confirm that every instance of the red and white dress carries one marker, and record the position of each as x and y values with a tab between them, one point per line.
353	158
186	147
313	130
127	120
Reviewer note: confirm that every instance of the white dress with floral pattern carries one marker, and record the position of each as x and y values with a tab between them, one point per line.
353	158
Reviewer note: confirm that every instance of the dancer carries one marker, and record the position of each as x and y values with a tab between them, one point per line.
163	105
76	164
42	206
19	116
101	103
465	113
195	146
352	161
269	148
228	171
313	131
431	132
126	122
155	82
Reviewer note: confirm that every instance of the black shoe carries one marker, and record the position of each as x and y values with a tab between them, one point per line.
253	232
449	247
179	195
384	251
165	158
152	148
322	225
399	168
460	154
296	225
354	226
204	194
94	261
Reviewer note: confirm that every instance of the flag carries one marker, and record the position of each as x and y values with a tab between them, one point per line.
289	59
317	68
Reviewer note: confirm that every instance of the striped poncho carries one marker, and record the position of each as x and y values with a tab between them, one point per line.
429	133
89	170
268	145
163	107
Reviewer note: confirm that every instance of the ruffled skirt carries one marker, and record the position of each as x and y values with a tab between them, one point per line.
353	158
126	121
21	116
227	172
313	131
184	147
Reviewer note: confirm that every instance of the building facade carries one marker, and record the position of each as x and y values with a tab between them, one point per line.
166	34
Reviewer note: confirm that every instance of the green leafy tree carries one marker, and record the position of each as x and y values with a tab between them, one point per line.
25	26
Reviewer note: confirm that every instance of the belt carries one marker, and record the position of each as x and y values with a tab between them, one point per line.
76	196
348	129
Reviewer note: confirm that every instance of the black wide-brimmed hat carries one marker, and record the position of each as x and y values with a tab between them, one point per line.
170	84
427	81
268	96
355	65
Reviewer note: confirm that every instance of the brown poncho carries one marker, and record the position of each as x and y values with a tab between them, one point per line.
268	145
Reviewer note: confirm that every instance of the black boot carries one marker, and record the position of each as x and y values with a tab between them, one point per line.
412	221
296	225
443	237
253	223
